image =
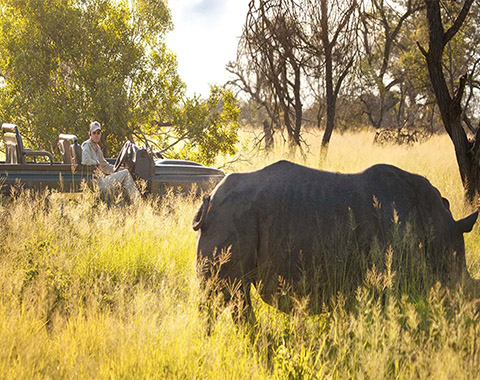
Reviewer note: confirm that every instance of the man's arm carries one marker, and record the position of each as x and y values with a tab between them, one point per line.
105	167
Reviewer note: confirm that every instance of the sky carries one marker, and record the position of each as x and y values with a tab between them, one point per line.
205	39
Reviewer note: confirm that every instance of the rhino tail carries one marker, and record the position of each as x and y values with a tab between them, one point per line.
201	213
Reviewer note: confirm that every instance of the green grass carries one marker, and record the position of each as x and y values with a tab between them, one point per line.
90	291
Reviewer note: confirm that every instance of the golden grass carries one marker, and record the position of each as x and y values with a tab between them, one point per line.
90	291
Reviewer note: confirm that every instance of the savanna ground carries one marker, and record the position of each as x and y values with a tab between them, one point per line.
90	291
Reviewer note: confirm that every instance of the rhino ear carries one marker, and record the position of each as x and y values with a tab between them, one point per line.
466	224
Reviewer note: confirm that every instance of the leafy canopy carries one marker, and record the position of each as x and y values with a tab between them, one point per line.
66	63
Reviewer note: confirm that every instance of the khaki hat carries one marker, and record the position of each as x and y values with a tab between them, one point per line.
95	126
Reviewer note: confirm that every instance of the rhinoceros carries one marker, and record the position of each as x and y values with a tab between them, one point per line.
315	232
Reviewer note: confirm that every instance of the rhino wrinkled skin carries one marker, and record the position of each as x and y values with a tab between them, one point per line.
287	222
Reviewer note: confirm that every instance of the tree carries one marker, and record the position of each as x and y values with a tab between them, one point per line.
204	128
289	52
450	104
68	62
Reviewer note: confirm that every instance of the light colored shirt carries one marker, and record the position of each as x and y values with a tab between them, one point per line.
92	155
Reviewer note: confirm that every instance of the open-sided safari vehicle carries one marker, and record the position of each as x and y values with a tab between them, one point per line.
22	168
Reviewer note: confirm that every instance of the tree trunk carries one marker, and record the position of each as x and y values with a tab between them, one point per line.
268	132
330	124
297	106
467	152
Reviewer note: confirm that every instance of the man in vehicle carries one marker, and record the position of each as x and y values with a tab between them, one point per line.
108	180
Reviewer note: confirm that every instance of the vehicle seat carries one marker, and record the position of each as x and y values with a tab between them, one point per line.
15	152
69	148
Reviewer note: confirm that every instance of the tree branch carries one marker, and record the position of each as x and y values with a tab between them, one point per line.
181	138
450	33
159	123
460	90
422	50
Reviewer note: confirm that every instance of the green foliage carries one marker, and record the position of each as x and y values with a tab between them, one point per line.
210	126
68	62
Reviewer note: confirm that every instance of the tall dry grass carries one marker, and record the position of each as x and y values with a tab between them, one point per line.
96	291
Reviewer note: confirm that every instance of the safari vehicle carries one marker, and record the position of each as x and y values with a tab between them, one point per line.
34	169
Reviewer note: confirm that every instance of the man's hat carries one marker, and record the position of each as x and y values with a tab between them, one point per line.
95	126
